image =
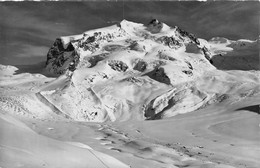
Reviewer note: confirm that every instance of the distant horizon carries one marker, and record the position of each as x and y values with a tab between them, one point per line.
28	29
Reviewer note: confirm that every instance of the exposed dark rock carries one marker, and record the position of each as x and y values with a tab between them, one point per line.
182	32
188	72
154	22
206	53
69	48
161	55
169	41
159	75
155	26
118	65
89	44
140	66
90	39
157	63
190	35
137	47
189	65
92	42
151	111
72	67
133	80
57	50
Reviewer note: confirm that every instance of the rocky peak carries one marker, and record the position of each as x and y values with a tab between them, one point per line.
155	26
67	52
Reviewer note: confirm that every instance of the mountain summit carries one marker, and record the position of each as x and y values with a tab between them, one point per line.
127	36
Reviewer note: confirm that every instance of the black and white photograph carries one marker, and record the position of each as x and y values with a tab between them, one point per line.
129	84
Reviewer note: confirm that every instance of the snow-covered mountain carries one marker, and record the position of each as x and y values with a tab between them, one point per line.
132	71
97	45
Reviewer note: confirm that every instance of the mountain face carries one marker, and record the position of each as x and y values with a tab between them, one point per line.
66	51
129	71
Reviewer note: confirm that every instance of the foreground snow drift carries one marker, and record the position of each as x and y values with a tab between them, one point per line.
21	147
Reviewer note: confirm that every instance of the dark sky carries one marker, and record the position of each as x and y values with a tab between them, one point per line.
28	29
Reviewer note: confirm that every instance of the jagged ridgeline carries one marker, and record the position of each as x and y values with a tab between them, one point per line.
127	71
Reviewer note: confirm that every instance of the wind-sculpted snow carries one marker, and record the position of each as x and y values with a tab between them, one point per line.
129	71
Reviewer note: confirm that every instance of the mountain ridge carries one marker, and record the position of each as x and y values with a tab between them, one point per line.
67	49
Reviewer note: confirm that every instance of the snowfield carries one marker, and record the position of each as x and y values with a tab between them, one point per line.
91	105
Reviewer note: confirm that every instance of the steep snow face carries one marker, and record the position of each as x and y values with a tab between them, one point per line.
128	71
